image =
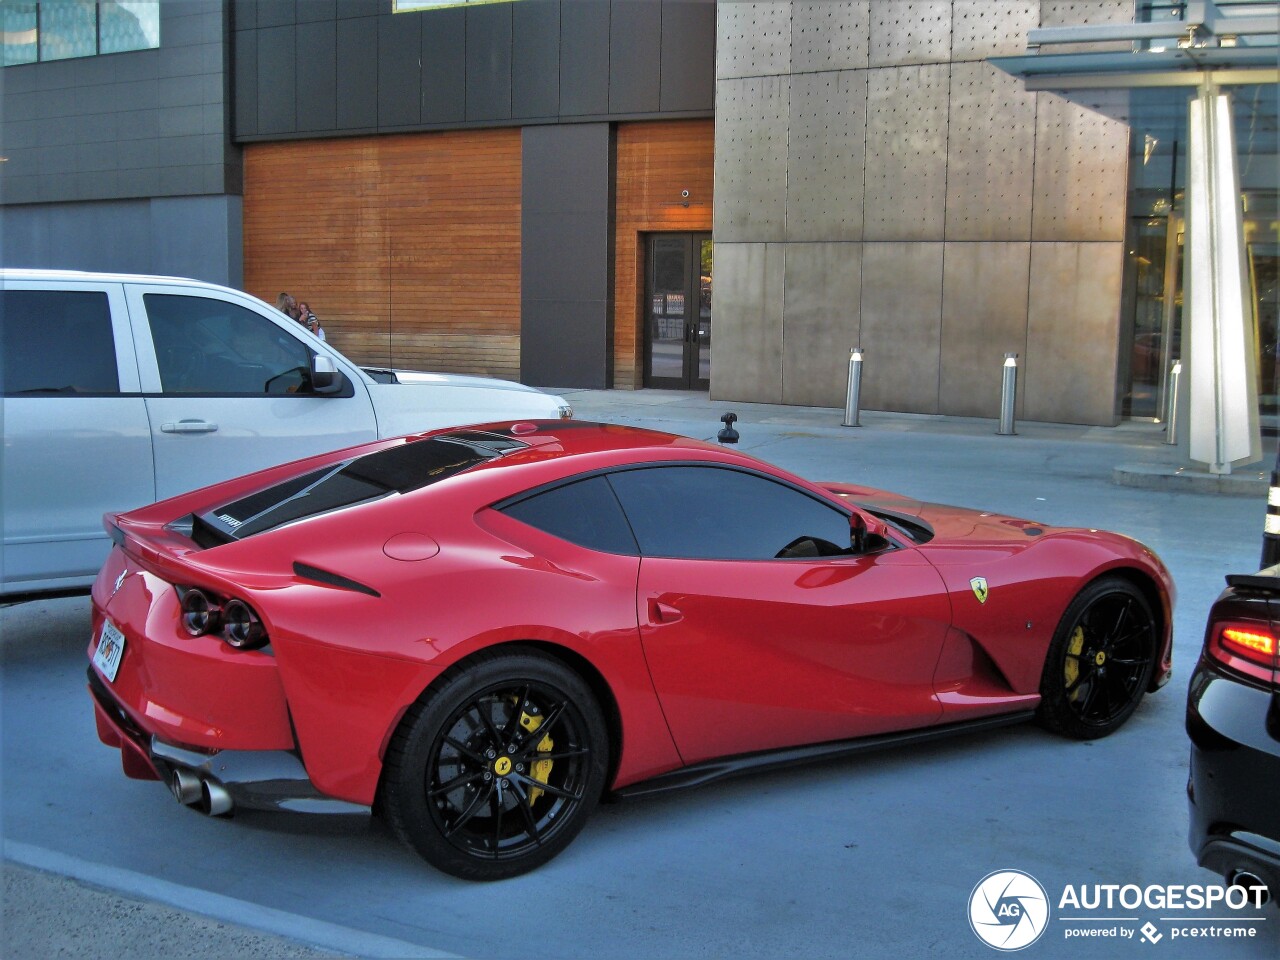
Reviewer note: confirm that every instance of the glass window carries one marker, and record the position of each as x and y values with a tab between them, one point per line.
128	26
586	513
714	513
57	342
68	28
211	346
19	25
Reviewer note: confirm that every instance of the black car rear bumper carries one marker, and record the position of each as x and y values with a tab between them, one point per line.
1234	726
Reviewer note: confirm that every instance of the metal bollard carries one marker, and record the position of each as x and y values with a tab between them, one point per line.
853	394
1171	404
1271	526
1008	395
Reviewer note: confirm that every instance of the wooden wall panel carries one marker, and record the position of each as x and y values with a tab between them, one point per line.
407	246
656	161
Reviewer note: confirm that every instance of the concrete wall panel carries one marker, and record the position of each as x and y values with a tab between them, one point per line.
984	316
826	141
990	155
823	284
992	28
900	327
830	35
751	159
1072	13
906	167
753	39
746	362
1081	173
910	31
1069	376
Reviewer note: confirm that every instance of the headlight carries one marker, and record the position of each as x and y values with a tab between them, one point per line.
243	629
566	412
200	614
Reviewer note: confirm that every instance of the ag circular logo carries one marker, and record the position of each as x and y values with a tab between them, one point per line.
1008	910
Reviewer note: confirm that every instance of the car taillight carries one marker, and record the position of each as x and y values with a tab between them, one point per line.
233	620
1249	647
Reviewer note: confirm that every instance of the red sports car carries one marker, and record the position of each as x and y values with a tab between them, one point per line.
481	631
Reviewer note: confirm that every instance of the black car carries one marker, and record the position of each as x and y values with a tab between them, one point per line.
1233	719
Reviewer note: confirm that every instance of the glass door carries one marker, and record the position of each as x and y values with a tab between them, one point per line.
677	303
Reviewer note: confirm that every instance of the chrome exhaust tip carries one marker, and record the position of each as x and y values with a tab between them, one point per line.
214	799
185	786
1248	880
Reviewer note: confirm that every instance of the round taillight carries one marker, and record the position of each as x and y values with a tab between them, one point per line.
241	626
200	615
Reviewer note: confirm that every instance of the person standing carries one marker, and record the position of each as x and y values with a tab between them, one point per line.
309	319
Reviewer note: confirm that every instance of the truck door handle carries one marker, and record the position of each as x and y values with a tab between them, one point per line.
188	426
663	612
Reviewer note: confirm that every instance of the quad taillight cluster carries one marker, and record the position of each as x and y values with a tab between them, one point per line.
233	620
1247	646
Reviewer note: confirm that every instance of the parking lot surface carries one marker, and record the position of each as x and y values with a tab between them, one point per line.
874	856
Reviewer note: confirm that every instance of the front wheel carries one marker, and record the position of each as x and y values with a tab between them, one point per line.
497	769
1099	662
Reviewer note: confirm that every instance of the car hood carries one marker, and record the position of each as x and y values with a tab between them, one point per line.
445	380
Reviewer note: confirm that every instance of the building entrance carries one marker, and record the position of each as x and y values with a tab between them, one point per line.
677	309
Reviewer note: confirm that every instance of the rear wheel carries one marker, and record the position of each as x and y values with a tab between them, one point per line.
497	770
1100	661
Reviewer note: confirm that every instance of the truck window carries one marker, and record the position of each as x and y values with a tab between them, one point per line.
57	342
210	346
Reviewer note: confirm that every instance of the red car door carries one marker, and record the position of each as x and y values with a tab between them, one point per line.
757	640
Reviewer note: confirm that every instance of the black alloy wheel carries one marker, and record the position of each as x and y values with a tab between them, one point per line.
1100	661
497	769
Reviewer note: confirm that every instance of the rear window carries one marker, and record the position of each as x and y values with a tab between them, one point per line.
395	470
57	342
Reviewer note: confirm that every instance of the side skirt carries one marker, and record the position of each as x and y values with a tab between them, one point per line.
723	769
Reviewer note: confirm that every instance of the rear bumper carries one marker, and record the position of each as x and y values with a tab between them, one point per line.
254	779
1234	783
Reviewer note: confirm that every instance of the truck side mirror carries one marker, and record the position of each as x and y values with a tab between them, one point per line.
325	377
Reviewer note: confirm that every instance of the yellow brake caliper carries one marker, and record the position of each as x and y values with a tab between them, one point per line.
1072	669
540	769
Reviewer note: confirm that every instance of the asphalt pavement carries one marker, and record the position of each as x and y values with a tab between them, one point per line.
874	856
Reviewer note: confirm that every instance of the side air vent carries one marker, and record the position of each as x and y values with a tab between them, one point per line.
308	572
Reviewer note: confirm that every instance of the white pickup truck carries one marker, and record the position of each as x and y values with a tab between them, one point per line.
121	390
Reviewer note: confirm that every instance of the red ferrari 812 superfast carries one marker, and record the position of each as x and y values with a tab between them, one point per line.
480	632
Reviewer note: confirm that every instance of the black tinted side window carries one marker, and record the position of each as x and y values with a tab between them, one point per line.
585	512
205	345
57	342
710	513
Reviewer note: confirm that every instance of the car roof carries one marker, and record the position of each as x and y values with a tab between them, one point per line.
92	276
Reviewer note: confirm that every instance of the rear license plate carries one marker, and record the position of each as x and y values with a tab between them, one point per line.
110	649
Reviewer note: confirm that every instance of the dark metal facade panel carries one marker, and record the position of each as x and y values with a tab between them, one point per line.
244	61
584	58
357	82
535	58
566	334
688	80
244	14
399	71
277	13
444	66
277	80
347	9
635	54
317	75
488	55
314	11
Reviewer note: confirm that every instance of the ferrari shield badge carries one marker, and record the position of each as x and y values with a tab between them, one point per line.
979	585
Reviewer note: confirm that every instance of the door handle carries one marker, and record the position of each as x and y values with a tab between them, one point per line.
663	612
188	426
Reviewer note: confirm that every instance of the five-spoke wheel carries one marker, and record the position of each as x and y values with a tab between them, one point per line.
1100	661
496	769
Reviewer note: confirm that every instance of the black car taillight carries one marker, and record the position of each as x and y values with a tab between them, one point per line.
1245	645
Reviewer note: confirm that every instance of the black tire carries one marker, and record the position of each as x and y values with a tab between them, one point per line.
455	791
1099	662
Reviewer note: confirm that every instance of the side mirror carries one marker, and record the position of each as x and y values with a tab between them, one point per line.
325	377
867	534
